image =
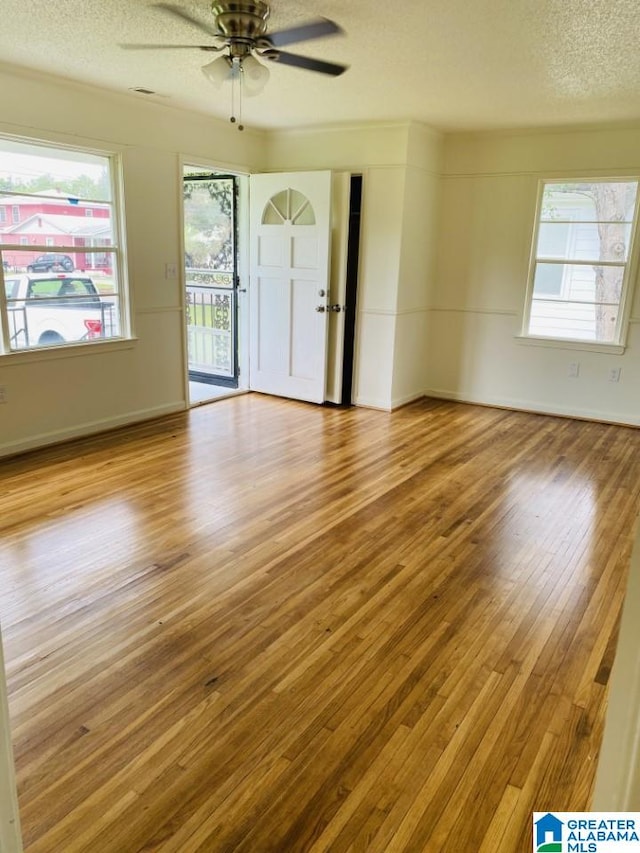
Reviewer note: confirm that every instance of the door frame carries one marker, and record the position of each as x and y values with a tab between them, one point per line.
213	378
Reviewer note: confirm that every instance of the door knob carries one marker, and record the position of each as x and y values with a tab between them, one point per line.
320	309
335	308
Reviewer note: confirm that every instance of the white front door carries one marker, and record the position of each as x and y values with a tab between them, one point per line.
290	226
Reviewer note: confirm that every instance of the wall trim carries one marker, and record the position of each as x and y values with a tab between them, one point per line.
165	309
534	408
400	402
500	311
44	439
369	403
79	350
392	312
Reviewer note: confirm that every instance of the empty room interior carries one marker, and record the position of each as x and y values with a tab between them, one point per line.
319	424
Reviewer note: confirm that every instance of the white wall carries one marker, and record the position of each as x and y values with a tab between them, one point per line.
400	164
416	275
51	398
486	221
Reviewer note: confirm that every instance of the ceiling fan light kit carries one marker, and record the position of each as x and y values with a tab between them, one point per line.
251	74
240	30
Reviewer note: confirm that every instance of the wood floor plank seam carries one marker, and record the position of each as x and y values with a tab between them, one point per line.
267	626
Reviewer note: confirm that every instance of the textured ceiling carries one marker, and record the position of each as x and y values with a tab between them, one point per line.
452	64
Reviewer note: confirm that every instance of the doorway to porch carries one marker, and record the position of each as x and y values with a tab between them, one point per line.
210	202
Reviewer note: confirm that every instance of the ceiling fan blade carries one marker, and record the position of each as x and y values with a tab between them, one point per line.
180	13
311	30
307	62
168	47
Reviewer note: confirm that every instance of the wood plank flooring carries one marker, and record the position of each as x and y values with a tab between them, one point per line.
269	626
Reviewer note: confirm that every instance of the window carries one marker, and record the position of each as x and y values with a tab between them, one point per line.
61	253
579	274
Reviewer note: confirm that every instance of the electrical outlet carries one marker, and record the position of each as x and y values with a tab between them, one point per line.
3	393
170	271
574	369
614	374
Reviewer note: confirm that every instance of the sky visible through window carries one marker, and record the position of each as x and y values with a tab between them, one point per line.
23	167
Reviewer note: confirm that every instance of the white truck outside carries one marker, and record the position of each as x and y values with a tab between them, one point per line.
56	308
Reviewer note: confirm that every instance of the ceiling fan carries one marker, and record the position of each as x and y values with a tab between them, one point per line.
239	32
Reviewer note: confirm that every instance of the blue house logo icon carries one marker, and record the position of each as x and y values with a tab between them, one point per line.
548	832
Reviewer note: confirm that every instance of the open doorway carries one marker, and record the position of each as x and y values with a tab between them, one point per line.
210	216
351	289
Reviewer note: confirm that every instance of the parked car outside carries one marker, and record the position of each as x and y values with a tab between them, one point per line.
59	308
51	262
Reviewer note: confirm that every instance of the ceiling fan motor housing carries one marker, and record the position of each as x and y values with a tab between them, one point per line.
245	20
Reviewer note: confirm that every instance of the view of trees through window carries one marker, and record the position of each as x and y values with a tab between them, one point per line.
580	266
80	187
209	237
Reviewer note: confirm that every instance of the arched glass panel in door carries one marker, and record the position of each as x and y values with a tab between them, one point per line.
288	206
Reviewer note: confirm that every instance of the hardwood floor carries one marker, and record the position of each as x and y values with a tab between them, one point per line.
269	626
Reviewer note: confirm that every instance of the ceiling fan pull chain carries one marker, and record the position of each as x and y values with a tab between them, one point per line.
236	86
240	84
232	119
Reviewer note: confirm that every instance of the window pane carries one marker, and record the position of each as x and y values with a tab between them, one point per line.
58	246
54	309
553	240
600	201
55	222
548	280
584	234
588	309
584	241
575	321
53	172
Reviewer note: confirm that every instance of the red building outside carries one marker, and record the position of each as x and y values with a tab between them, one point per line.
53	220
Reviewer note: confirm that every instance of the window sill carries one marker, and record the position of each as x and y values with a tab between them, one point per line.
567	343
28	356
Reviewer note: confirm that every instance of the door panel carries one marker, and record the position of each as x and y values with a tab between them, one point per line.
290	234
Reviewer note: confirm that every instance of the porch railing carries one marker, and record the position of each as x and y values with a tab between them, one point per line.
211	311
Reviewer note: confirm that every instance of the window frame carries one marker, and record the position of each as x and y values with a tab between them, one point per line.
116	251
618	344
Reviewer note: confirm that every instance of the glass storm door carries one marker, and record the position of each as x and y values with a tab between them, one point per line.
210	231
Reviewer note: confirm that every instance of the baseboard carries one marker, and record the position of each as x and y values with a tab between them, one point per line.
45	439
534	408
399	402
368	403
